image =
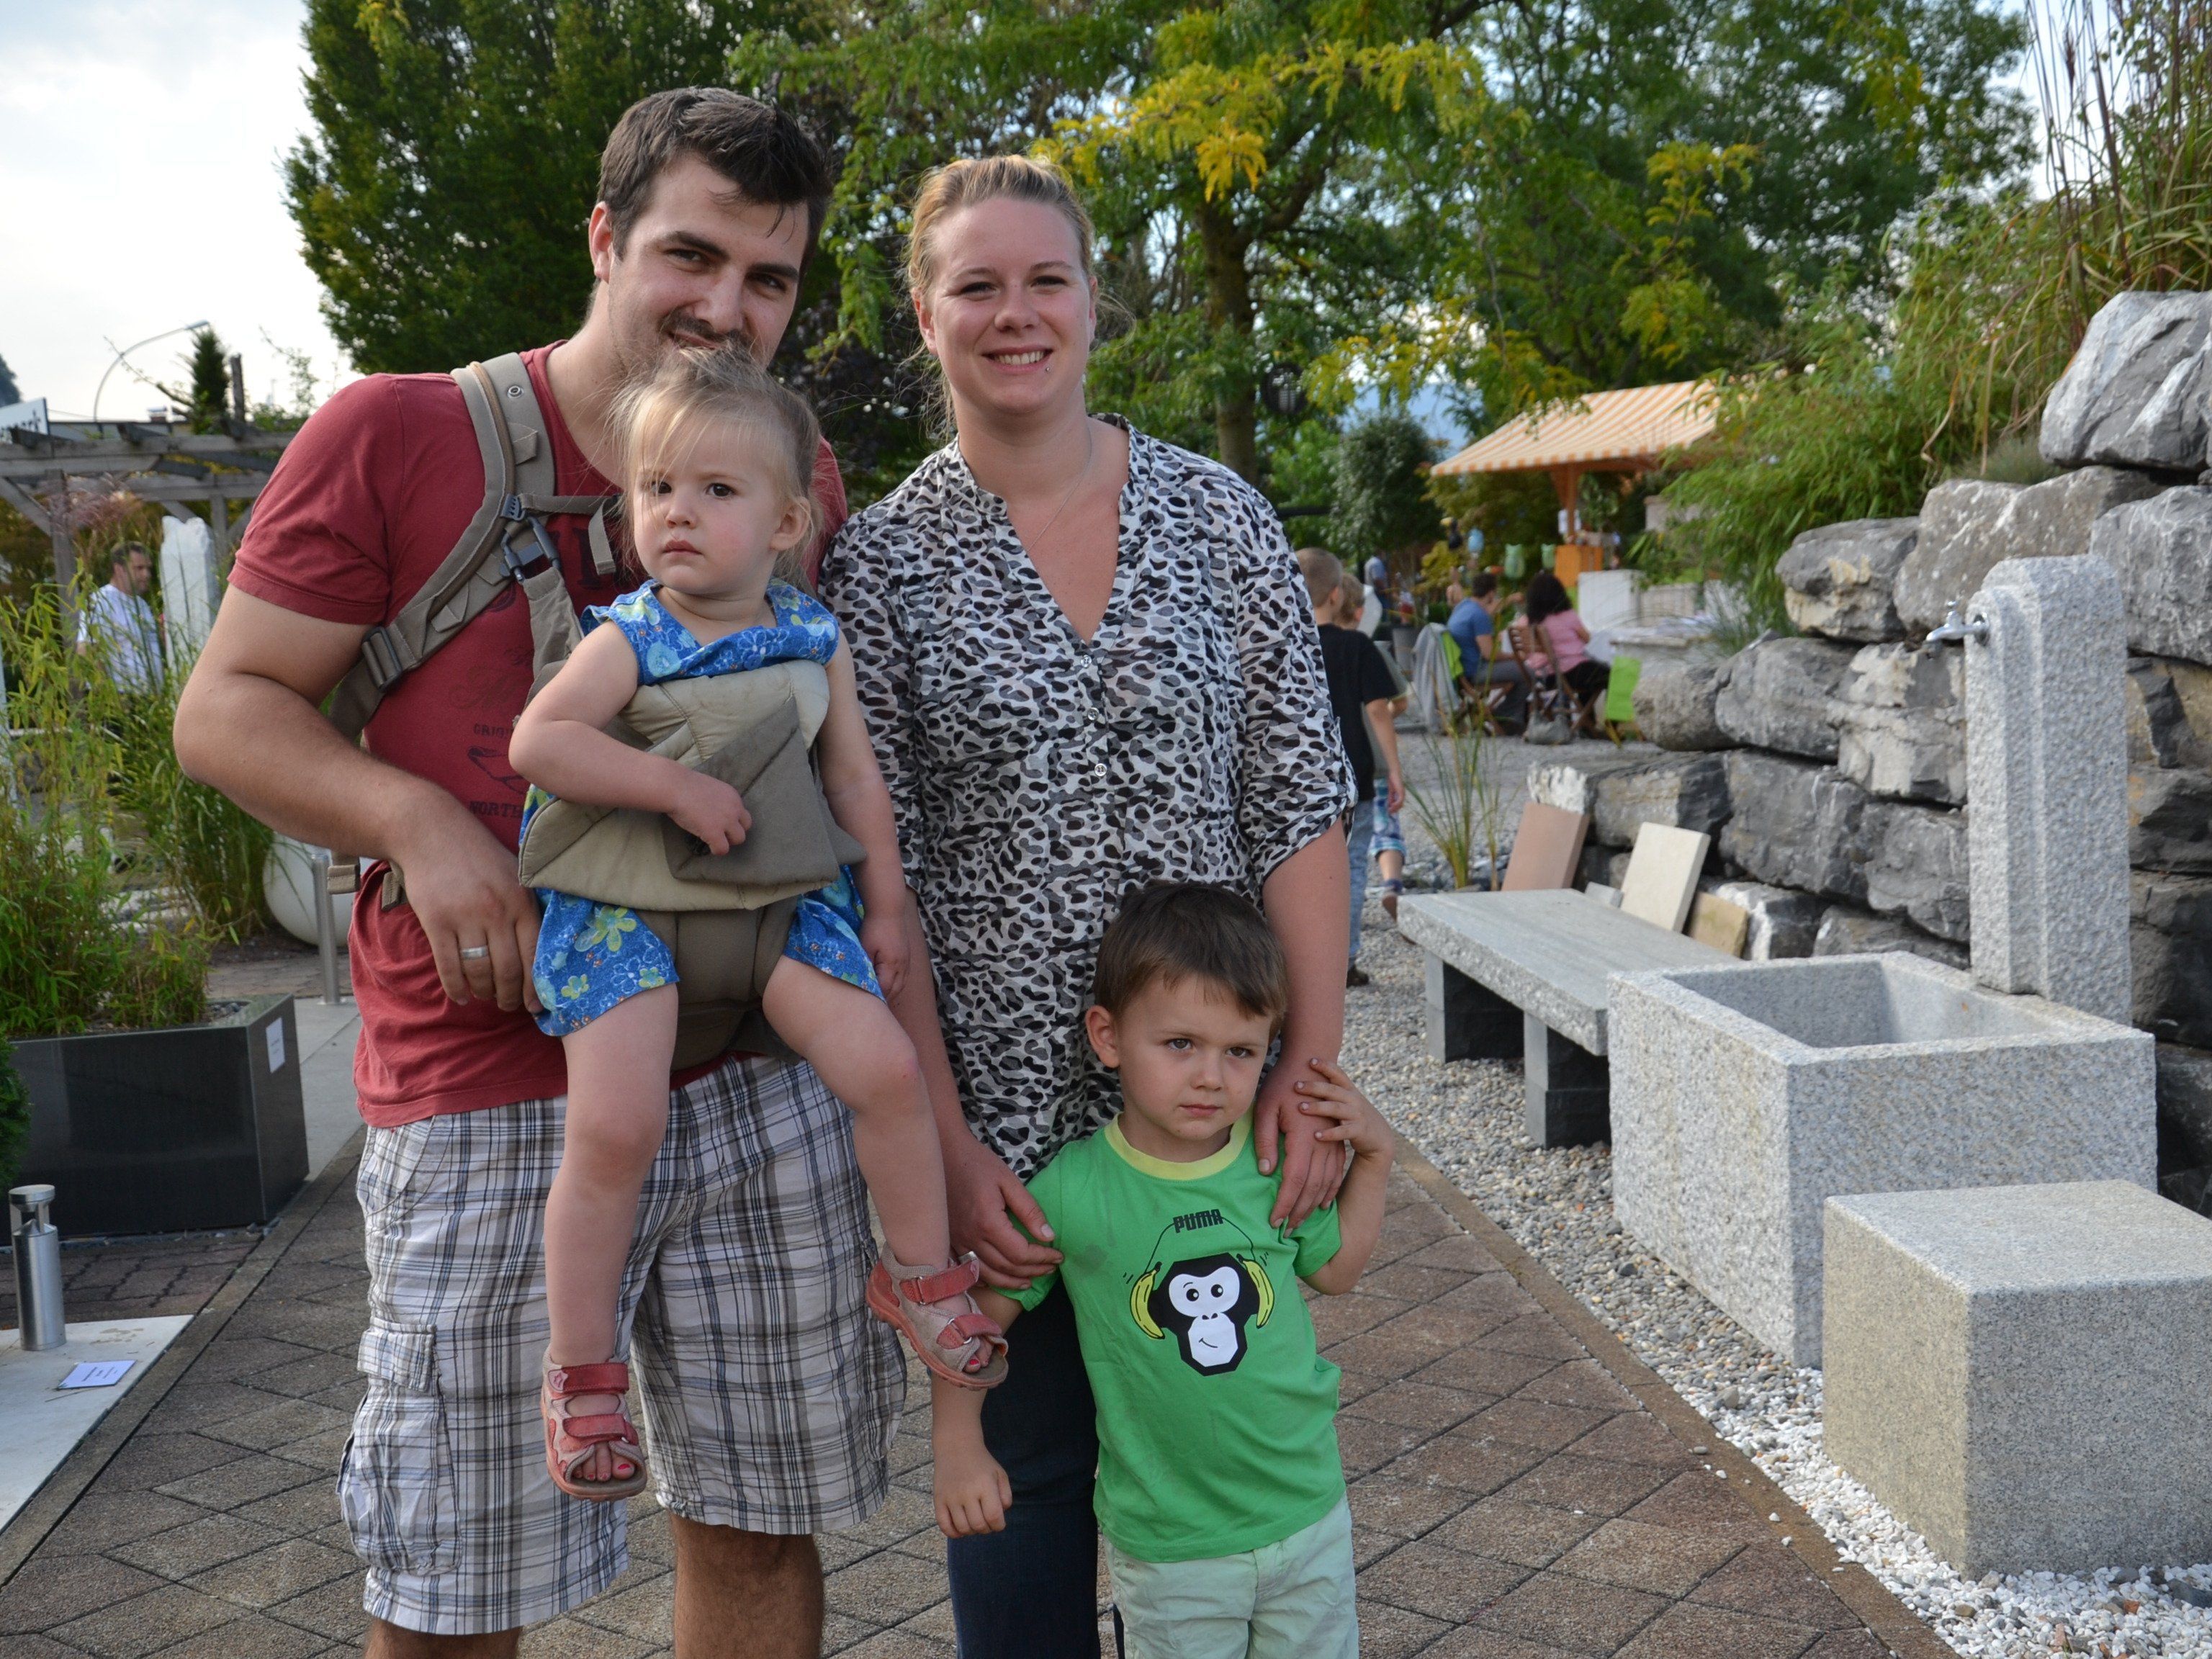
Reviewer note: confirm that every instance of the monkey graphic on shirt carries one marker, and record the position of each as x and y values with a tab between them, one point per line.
1206	1302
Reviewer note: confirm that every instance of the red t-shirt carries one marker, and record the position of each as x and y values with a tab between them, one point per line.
364	506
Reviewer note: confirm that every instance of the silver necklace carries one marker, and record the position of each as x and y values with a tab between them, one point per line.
1090	452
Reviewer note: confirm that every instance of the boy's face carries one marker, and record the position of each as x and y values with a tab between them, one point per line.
1189	1057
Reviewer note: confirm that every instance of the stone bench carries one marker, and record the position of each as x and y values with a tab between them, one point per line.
2019	1372
1522	976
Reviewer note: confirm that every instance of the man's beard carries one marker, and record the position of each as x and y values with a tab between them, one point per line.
679	332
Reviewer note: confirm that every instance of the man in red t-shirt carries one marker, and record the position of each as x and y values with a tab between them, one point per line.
770	1393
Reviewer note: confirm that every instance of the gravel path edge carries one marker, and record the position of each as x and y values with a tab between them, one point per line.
1892	1622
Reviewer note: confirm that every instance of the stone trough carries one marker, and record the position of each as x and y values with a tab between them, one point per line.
1747	1096
1743	1098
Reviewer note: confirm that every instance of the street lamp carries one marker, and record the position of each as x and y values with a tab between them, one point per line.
186	329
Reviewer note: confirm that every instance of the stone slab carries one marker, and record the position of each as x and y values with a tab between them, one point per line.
2170	954
40	1422
1743	1100
1548	953
1846	931
1717	922
2170	819
2018	1371
1839	580
1662	875
1547	848
1782	924
2133	394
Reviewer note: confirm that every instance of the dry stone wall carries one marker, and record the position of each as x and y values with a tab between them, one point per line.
1831	767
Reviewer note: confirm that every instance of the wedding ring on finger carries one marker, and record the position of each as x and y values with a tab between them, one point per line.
475	952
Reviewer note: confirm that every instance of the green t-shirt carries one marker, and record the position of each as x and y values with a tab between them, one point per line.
1217	1414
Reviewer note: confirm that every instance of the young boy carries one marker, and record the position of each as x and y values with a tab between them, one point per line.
1220	1491
1361	688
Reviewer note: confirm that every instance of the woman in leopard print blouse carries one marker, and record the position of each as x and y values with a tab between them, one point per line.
1088	662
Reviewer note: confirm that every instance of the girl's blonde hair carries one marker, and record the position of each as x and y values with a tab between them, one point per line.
660	418
957	185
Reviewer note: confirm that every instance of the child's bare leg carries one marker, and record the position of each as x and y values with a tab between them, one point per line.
617	1113
856	1046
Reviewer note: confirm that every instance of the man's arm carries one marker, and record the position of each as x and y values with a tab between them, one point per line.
1384	729
249	724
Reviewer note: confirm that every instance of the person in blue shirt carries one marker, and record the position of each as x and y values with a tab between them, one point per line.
1474	625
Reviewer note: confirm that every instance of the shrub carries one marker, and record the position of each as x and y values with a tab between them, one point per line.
15	1118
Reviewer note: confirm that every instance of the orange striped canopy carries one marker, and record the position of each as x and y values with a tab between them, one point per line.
1609	431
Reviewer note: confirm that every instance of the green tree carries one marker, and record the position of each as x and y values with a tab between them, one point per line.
14	1117
1230	154
206	400
1381	475
454	156
9	393
1633	214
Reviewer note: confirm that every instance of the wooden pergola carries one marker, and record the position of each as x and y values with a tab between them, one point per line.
1625	432
226	470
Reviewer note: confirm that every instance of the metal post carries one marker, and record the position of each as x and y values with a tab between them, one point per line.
327	932
38	1268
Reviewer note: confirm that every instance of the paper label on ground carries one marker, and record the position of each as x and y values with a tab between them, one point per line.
99	1374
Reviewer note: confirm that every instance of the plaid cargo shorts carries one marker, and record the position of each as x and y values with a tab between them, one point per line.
771	1394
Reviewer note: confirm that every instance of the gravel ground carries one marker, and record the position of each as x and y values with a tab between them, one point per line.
1466	1118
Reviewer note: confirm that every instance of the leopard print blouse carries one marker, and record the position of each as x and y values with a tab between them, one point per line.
1037	778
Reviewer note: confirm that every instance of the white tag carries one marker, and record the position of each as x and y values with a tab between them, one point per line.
97	1374
275	1029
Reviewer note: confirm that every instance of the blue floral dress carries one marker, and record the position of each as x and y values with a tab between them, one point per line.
593	956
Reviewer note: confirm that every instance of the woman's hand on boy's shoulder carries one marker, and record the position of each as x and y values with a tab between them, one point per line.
1330	1093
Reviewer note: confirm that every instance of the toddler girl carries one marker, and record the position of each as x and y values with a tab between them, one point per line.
717	462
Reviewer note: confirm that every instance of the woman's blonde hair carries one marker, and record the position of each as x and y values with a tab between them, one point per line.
660	418
957	185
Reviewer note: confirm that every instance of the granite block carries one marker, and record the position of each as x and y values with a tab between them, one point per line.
2133	394
1839	580
1743	1098
2017	1372
2047	765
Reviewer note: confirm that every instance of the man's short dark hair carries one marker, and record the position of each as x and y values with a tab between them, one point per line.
1175	931
1482	585
759	149
125	550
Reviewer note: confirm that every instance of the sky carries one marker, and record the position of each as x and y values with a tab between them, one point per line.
141	142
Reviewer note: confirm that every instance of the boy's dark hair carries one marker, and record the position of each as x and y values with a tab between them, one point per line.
1547	596
1482	585
1181	930
759	149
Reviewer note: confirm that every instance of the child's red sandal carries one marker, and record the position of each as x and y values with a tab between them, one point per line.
959	1343
570	1439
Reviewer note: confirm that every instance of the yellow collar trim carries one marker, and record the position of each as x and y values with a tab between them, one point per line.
1240	1134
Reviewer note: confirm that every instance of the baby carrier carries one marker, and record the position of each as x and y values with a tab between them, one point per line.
723	917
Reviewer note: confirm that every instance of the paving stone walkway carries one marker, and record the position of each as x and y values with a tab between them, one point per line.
1512	1500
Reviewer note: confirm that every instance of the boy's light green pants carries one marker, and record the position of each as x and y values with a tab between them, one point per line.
1295	1600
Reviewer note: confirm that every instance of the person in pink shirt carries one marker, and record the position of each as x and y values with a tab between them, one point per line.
1561	638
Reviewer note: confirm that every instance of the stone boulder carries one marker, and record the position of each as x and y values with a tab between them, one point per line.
1782	695
1783	924
1901	730
1795	825
2134	393
2184	1106
1845	931
2170	947
1675	705
1684	792
2170	820
1840	580
1916	866
2162	548
1968	526
2169	712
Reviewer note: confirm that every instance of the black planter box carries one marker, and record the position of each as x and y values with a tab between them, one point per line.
168	1131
